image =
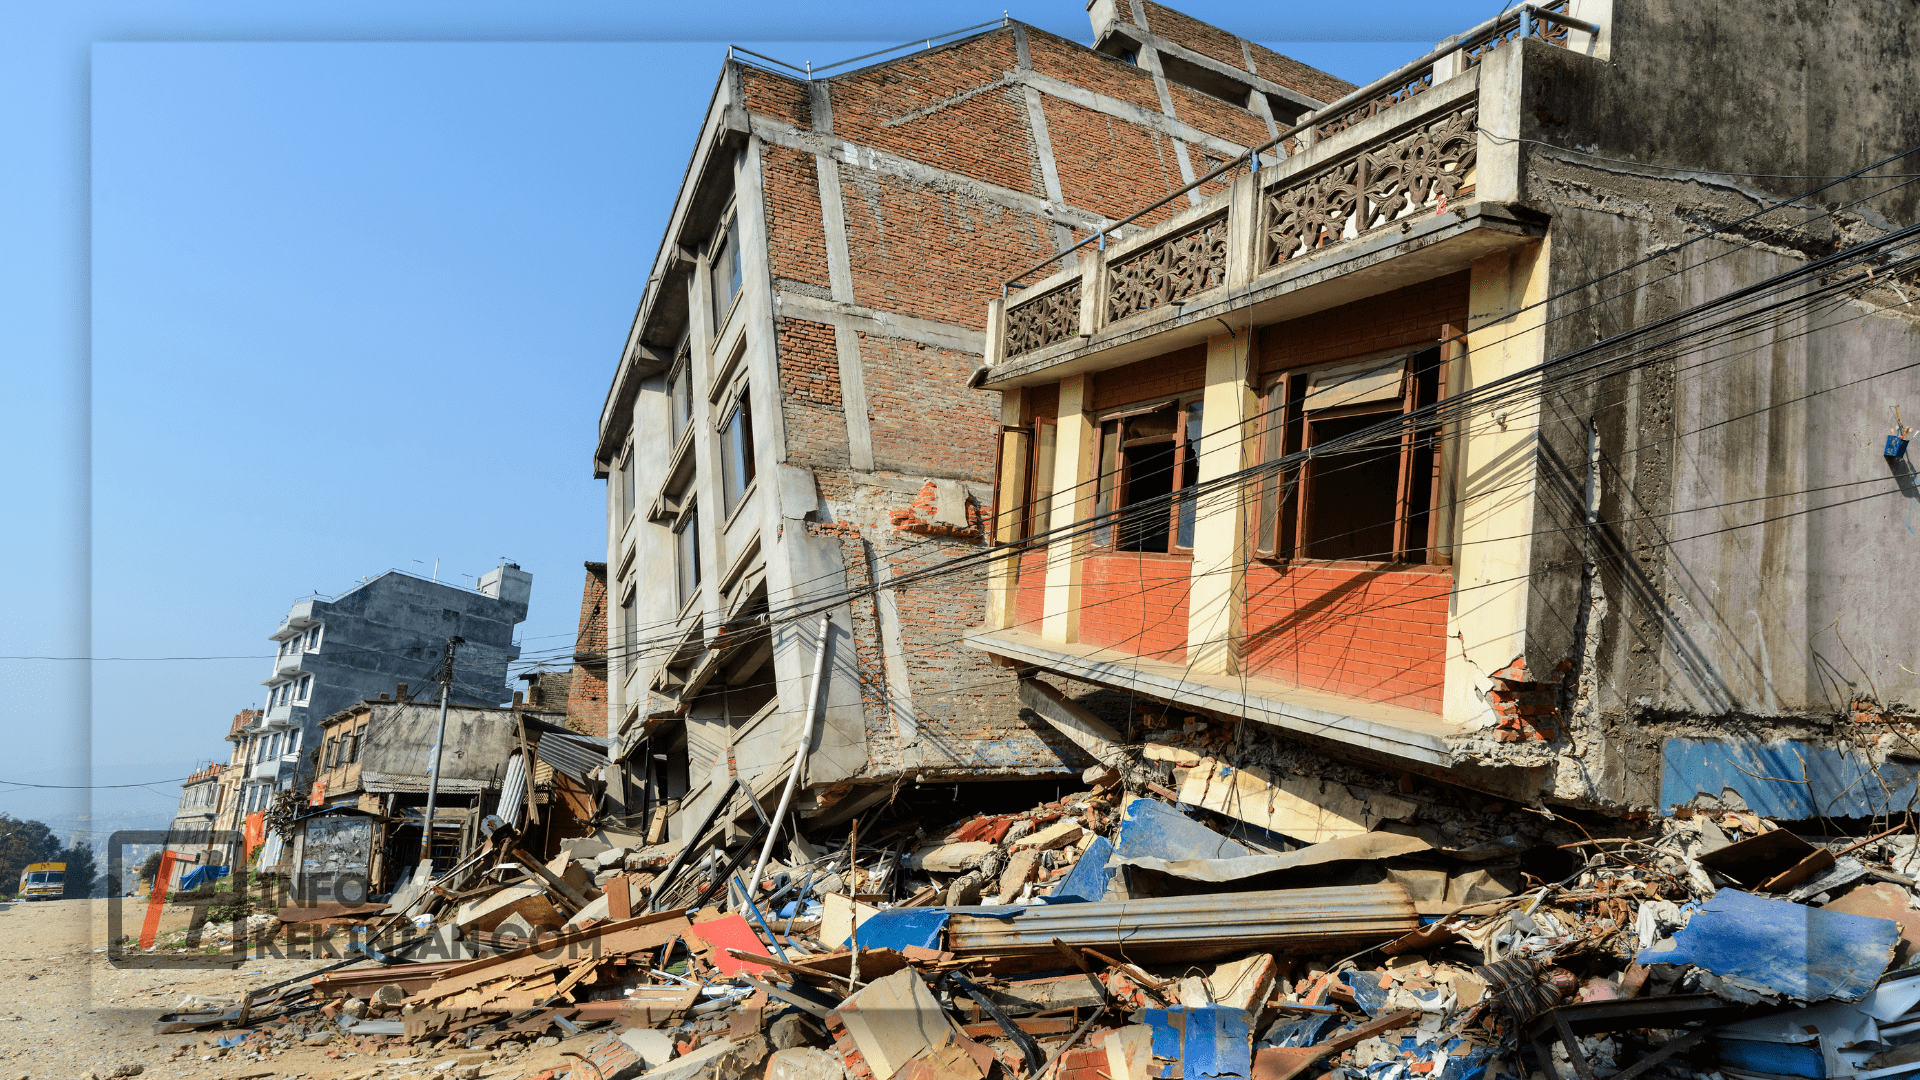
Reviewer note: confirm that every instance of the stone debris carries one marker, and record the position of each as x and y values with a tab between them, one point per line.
1161	922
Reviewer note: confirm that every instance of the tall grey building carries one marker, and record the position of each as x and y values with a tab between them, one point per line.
388	631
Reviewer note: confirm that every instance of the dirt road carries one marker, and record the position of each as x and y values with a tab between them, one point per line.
66	1010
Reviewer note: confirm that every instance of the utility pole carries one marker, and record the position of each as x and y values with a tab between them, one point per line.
425	871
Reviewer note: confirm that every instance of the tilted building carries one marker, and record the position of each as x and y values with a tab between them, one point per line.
1532	422
790	424
385	636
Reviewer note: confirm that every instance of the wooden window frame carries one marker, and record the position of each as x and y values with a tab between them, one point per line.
1107	463
1285	496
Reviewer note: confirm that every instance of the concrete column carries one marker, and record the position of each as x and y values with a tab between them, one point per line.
1217	590
1076	440
1486	618
1003	575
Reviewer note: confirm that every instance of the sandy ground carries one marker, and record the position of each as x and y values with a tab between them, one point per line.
66	1010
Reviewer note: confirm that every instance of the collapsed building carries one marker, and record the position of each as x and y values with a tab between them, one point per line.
790	423
1528	424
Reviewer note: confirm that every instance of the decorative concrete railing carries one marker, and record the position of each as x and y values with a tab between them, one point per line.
1049	317
1191	261
1403	144
1369	187
1411	83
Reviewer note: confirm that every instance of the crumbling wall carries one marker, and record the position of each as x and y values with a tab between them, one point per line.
1737	582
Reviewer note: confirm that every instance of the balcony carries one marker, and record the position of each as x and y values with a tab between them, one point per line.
1395	184
273	768
288	663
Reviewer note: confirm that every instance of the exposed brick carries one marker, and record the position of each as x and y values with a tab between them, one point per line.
1349	629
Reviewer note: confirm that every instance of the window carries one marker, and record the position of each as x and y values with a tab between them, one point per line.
724	266
686	547
736	454
1147	457
329	756
680	393
629	628
1040	478
353	746
1357	497
306	687
273	746
313	639
625	507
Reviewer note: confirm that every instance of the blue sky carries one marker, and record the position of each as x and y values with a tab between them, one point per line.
291	294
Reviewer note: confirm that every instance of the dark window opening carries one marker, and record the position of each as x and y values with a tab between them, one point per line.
1144	460
736	455
1356	497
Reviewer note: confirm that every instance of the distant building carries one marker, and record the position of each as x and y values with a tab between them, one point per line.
372	774
581	691
190	836
378	639
227	817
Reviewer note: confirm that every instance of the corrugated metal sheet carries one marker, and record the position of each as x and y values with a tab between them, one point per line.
1324	920
576	755
1790	781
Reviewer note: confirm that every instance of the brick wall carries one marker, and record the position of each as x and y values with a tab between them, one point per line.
810	394
943	108
1101	74
1109	166
1403	318
587	694
1030	591
1136	603
924	419
1295	75
1162	376
796	236
1216	117
1211	41
776	96
1349	629
932	252
1183	29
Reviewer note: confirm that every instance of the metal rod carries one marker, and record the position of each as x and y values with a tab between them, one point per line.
799	754
433	765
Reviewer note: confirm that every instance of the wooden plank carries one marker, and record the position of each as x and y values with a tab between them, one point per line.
644	932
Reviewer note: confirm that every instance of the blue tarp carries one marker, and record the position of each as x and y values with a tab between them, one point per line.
897	928
1150	829
202	876
1790	781
1088	880
1782	948
1209	1042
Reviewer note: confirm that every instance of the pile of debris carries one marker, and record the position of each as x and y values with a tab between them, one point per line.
1148	927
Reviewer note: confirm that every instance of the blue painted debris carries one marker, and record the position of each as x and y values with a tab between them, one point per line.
1200	1043
897	928
1150	829
1787	781
202	876
1088	880
1783	949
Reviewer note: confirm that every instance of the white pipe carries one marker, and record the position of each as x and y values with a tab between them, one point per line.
799	758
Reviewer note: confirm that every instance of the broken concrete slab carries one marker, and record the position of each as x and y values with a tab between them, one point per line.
804	1063
1311	810
952	858
892	1020
653	1046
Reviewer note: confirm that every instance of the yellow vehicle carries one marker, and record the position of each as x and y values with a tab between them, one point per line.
43	881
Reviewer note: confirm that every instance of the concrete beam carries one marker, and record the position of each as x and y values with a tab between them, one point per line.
1088	732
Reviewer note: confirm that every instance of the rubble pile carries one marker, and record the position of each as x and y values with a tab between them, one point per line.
1185	918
